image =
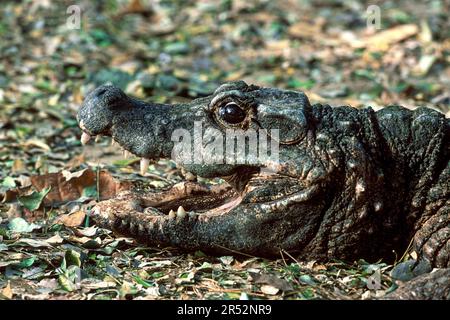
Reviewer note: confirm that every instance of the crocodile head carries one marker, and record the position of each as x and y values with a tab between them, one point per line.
301	175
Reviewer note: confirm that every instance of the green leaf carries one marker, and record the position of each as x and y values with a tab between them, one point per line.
25	263
93	243
199	254
233	295
45	86
5	233
72	258
268	78
65	283
177	48
364	73
142	282
205	267
100	37
307	279
9	182
89	192
20	225
297	84
117	77
308	293
73	273
125	162
168	83
400	87
34	200
157	274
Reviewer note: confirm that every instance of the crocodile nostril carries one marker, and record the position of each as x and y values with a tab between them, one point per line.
101	92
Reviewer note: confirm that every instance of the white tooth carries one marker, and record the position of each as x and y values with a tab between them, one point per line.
97	138
144	165
85	138
126	153
181	213
113	142
172	214
82	124
189	176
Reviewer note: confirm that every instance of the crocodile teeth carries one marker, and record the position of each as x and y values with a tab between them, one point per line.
126	153
189	176
97	138
144	165
85	138
172	214
113	142
181	213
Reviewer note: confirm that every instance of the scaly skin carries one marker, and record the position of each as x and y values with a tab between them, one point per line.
350	183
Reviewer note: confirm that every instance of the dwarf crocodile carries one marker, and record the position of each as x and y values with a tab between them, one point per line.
347	183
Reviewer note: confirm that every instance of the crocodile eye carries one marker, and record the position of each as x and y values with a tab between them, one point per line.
232	113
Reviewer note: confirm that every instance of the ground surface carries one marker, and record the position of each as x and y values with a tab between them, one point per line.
167	52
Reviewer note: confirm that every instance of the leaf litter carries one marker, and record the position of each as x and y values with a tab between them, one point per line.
177	51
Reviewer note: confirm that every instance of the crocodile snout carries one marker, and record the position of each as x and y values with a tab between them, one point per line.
107	96
98	109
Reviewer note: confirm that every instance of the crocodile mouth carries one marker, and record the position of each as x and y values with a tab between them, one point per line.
209	199
181	198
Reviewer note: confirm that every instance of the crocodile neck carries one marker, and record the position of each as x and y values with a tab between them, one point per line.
416	152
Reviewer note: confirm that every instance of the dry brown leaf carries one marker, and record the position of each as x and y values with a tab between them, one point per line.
87	232
10	195
319	267
56	239
49	284
75	162
63	190
424	65
425	35
74	219
278	44
24	181
233	76
15	211
81	240
135	7
36	143
305	30
33	243
382	40
77	96
270	290
7	292
70	175
18	166
74	57
271	280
